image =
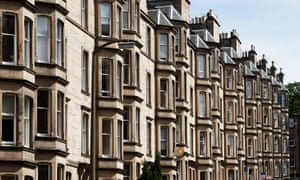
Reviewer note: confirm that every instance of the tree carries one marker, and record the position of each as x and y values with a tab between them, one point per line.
152	171
294	97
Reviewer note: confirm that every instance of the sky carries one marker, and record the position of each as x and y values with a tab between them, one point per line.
272	26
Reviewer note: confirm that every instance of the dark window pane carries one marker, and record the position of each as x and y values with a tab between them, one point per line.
7	129
43	172
8	24
8	48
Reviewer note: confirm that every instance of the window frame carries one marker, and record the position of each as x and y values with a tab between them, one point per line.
107	148
201	66
163	47
46	37
47	109
84	13
126	10
148	89
7	35
84	134
202	104
27	120
164	93
165	141
48	171
137	124
106	17
27	42
84	72
107	92
202	144
60	42
10	116
60	115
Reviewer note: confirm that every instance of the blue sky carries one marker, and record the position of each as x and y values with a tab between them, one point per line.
273	26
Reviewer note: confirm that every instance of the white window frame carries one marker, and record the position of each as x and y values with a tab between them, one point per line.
27	121
127	124
108	76
8	34
230	145
164	140
105	18
107	133
119	81
45	36
84	134
163	47
137	124
9	116
202	104
201	66
60	115
119	139
84	71
27	42
229	81
202	149
249	89
60	43
84	13
126	14
164	93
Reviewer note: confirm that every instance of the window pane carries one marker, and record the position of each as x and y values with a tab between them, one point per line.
8	104
126	15
84	71
164	140
84	134
202	66
7	129
27	121
44	172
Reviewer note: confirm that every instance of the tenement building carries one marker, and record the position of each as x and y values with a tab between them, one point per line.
92	89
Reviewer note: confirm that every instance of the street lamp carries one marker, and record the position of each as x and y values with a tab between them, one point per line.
122	44
179	154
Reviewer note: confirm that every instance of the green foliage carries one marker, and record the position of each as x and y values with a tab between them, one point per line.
152	171
294	97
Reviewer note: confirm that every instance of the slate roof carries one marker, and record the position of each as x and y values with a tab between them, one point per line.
159	18
199	43
171	12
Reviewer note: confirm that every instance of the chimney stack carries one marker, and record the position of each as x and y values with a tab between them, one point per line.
273	69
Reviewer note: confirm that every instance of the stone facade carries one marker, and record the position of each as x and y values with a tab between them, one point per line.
92	89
